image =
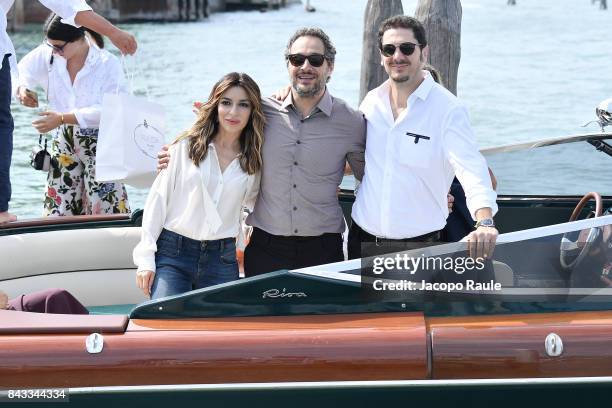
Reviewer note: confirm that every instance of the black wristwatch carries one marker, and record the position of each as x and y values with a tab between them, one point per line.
485	222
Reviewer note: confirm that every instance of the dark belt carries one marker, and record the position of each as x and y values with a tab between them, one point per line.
259	234
366	236
183	241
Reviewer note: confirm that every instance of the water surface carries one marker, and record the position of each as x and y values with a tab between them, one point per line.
530	71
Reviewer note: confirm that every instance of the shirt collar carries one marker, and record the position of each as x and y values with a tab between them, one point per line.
211	145
422	91
325	104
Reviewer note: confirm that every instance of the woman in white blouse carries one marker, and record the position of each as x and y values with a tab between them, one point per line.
194	211
76	74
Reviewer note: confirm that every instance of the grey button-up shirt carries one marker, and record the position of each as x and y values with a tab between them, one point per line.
303	165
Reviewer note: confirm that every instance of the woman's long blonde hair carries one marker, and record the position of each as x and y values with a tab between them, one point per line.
206	125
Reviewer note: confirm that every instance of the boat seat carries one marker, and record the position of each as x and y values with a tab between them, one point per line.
100	272
13	322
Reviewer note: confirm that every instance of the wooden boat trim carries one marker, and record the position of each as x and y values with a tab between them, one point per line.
603	317
311	322
41	323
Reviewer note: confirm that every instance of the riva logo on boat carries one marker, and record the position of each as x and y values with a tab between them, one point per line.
275	293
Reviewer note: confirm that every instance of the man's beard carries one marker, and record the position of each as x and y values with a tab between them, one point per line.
313	90
406	77
400	79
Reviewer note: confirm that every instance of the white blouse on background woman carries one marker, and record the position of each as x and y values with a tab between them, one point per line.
102	73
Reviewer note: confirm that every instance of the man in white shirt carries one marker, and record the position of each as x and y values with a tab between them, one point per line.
74	12
418	138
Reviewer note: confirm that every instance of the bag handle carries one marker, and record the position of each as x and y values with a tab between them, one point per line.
131	74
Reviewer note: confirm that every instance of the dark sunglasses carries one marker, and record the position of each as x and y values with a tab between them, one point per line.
58	48
297	60
406	48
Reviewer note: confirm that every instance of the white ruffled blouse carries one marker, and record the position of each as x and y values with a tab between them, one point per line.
201	203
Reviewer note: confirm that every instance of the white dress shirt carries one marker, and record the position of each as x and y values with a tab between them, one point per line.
102	73
403	193
67	9
201	203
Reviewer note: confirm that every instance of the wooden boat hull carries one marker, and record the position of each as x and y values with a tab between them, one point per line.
215	351
327	348
495	347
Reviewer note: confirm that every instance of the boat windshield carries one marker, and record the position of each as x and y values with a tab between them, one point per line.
573	167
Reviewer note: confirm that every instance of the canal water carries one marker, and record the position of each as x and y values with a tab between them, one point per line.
530	71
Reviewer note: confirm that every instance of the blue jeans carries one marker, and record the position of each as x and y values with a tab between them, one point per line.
6	133
183	264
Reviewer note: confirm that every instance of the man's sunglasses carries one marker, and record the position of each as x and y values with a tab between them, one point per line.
406	48
58	48
297	60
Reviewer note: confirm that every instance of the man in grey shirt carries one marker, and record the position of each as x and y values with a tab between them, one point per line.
309	136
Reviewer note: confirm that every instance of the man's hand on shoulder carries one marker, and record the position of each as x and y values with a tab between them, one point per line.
163	158
197	105
282	93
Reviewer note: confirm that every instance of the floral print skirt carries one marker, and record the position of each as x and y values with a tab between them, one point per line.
71	185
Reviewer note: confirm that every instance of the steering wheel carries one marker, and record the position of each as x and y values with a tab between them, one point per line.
588	237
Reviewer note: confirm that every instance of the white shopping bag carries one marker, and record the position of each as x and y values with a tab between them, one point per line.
131	134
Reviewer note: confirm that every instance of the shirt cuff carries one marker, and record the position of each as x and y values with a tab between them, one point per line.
146	265
80	119
70	20
477	203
